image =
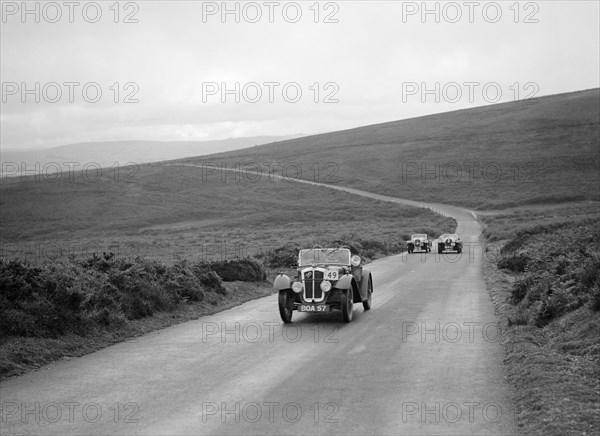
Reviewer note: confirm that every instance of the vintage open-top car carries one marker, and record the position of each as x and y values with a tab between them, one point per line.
327	279
419	241
449	242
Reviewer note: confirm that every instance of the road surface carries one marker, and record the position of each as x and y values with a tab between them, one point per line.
425	360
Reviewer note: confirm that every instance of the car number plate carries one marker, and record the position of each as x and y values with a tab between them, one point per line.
331	275
314	308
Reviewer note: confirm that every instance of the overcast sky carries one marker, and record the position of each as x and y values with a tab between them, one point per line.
363	62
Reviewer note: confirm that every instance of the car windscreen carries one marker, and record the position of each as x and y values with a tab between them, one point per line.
419	236
339	256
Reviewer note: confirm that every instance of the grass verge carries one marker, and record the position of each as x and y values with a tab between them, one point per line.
60	310
546	296
19	355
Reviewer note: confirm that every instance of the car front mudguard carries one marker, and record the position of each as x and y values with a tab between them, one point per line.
282	282
349	282
364	285
345	282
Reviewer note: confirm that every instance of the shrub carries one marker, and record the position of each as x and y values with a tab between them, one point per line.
560	267
595	298
209	278
285	256
523	235
589	274
349	241
17	322
557	301
247	270
519	318
98	292
44	299
515	263
182	281
520	289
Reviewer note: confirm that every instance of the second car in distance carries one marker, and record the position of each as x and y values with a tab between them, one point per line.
419	241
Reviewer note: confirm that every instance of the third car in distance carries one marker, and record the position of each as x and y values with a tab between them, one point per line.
449	242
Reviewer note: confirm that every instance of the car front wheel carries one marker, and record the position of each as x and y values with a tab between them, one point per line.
285	305
347	305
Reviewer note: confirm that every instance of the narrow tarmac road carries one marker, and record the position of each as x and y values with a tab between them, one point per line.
425	360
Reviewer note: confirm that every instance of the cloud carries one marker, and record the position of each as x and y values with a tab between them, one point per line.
364	61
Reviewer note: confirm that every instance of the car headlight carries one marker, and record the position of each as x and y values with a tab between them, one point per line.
355	261
297	287
325	286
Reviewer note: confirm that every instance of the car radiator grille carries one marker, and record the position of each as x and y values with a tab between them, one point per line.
312	285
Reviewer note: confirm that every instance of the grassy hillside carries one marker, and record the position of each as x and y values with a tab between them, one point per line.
171	212
497	156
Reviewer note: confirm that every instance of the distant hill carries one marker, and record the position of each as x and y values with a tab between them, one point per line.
106	154
541	151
